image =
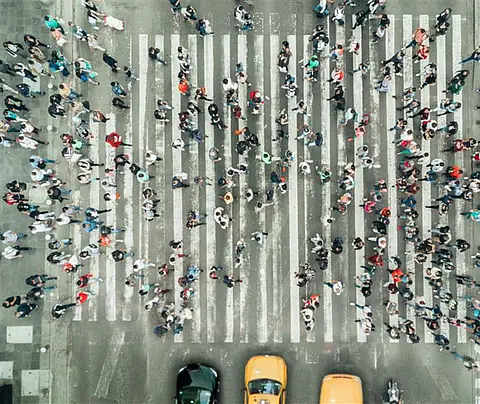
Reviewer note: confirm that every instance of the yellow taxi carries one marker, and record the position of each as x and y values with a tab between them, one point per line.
265	380
341	389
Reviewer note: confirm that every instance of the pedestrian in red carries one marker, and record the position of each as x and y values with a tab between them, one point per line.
115	140
82	297
84	280
376	260
184	87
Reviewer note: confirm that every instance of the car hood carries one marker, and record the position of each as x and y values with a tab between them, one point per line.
266	367
199	376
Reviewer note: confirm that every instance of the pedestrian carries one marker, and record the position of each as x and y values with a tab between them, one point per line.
115	140
120	255
58	310
118	89
119	103
24	310
475	56
110	61
14	49
12	252
154	54
203	28
85	280
230	281
93	43
259	236
336	286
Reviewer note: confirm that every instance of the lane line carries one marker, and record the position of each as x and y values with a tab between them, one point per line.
108	368
194	250
441	120
177	193
210	200
262	325
392	164
407	81
277	285
358	191
459	160
426	193
160	187
245	267
111	220
326	197
293	215
307	180
227	149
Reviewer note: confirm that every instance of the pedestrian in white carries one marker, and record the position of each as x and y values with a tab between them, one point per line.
142	264
350	114
40	227
259	236
367	310
27	142
336	286
89	251
367	162
184	314
152	303
151	157
93	43
11	237
179	144
436	165
13	252
353	45
229	84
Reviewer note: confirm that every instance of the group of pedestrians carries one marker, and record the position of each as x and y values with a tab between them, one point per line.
436	253
57	210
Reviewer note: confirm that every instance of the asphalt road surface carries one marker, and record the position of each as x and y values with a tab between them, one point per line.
105	351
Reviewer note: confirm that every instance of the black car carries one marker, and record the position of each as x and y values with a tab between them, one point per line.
197	384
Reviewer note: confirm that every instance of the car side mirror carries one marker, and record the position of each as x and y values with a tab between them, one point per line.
174	400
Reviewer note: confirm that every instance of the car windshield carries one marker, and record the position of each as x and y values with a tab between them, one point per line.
193	395
264	386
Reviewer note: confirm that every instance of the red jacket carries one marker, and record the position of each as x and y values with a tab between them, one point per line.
113	139
82	297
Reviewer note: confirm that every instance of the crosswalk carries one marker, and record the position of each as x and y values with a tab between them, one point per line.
266	306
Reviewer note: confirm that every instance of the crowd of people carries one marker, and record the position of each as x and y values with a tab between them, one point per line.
435	253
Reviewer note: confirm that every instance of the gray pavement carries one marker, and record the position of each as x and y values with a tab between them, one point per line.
105	351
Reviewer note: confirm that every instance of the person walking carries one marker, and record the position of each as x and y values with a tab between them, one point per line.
154	54
336	286
85	280
110	61
58	310
115	140
24	310
475	57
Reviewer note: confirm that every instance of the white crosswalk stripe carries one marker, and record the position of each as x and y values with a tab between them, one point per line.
266	306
